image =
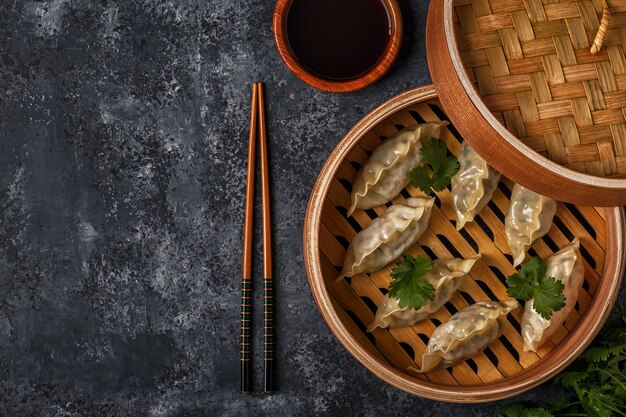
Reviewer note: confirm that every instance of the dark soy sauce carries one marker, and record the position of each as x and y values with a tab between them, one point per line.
338	39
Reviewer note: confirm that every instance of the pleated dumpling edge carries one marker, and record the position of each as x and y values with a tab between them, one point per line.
529	217
386	172
466	334
473	185
387	237
566	266
445	275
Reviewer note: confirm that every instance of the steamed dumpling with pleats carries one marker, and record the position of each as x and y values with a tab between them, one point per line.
387	237
472	186
566	266
466	334
529	217
445	276
386	172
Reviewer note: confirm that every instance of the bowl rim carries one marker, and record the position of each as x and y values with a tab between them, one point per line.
383	65
549	366
463	103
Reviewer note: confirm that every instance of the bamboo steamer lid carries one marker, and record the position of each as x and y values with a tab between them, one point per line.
538	88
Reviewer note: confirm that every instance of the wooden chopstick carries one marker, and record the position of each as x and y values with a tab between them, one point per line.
246	276
268	290
257	117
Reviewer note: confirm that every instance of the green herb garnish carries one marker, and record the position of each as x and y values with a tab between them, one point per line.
597	378
437	168
518	410
407	285
529	282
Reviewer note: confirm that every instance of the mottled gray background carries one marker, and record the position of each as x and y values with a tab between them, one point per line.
122	156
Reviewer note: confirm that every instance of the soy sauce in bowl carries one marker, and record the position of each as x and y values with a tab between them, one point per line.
338	39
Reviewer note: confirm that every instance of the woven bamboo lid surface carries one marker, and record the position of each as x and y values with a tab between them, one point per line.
520	80
349	306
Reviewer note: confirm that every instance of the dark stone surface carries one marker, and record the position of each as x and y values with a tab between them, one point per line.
122	158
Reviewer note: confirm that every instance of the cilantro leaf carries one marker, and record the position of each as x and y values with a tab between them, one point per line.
512	410
571	378
600	354
434	153
437	168
407	286
598	378
521	283
519	287
548	297
418	265
599	403
420	178
536	412
533	269
518	410
529	283
445	173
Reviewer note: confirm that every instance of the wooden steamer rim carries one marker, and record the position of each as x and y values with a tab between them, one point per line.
562	355
490	138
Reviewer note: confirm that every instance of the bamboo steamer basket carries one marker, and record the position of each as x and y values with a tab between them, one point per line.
349	306
539	89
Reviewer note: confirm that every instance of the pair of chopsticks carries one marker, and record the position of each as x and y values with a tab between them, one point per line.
257	122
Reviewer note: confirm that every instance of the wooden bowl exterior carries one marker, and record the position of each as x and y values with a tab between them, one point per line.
348	307
342	86
486	132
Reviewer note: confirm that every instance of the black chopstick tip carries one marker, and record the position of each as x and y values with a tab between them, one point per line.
268	386
245	378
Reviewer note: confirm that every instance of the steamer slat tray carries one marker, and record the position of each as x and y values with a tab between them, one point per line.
521	81
349	306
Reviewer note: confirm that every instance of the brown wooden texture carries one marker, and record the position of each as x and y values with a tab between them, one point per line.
248	219
246	264
518	76
265	188
349	306
368	78
268	283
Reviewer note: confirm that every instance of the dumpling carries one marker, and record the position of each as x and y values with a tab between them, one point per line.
466	334
566	266
445	276
386	172
529	218
387	237
472	186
